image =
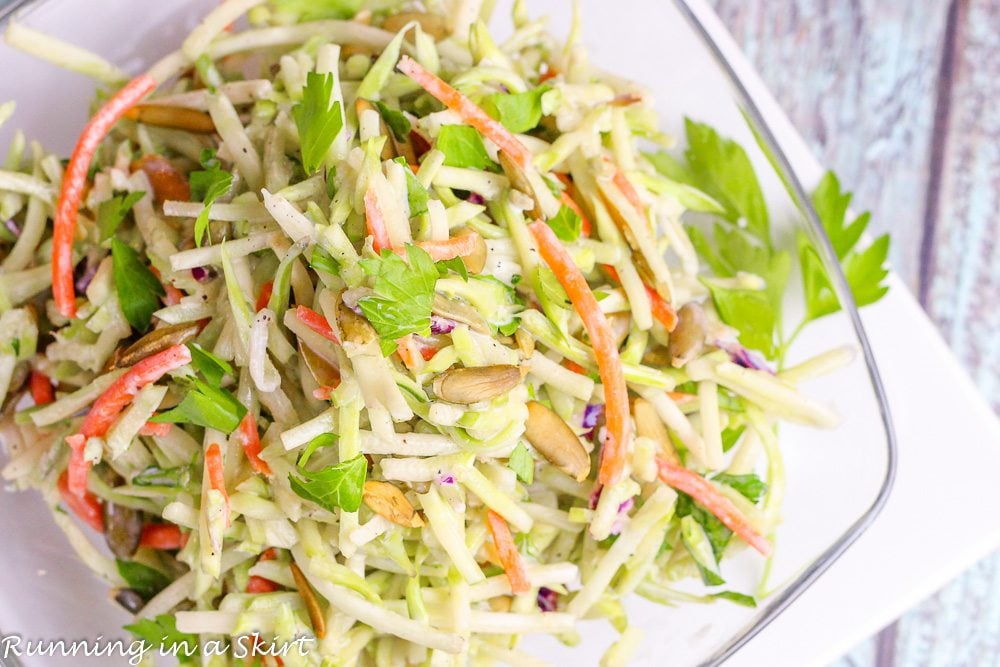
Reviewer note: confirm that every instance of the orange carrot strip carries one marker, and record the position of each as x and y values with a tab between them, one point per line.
114	399
316	322
711	498
250	439
155	428
409	352
510	557
168	182
257	584
41	388
85	506
585	227
456	246
662	311
265	295
573	366
609	364
467	110
163	536
73	184
623	184
216	477
376	222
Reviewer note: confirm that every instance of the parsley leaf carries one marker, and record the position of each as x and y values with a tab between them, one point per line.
522	463
208	185
723	171
736	598
454	264
730	436
161	633
112	211
750	486
566	224
416	193
141	578
208	406
403	294
749	311
210	366
463	147
518	112
318	119
396	120
138	289
334	486
717	533
864	270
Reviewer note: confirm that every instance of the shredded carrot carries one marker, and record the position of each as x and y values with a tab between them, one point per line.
114	399
265	295
41	388
549	73
602	338
427	351
662	311
456	246
623	184
711	498
73	184
216	477
85	506
680	397
323	393
409	353
376	222
573	366
316	322
510	557
567	199
163	536
257	584
467	110
250	439
172	296
158	429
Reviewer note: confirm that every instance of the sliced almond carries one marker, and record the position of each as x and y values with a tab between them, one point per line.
501	603
433	24
388	501
525	343
519	181
322	370
155	341
555	440
310	600
179	118
687	340
461	312
649	425
472	385
354	327
475	261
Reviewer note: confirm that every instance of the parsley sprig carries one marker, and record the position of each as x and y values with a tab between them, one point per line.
318	120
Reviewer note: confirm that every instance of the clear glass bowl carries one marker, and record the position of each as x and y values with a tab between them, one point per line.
837	480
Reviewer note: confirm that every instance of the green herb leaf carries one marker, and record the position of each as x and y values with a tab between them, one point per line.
335	486
207	186
522	463
141	578
416	193
318	119
212	368
112	211
518	112
463	147
749	312
718	534
396	121
161	633
750	486
208	406
316	10
730	436
566	224
321	260
138	289
403	293
322	440
737	598
864	270
723	171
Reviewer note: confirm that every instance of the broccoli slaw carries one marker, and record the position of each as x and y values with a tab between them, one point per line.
354	324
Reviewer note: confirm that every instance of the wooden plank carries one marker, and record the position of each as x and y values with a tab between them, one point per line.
858	80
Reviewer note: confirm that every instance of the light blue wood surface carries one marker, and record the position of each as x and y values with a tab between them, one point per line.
901	99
